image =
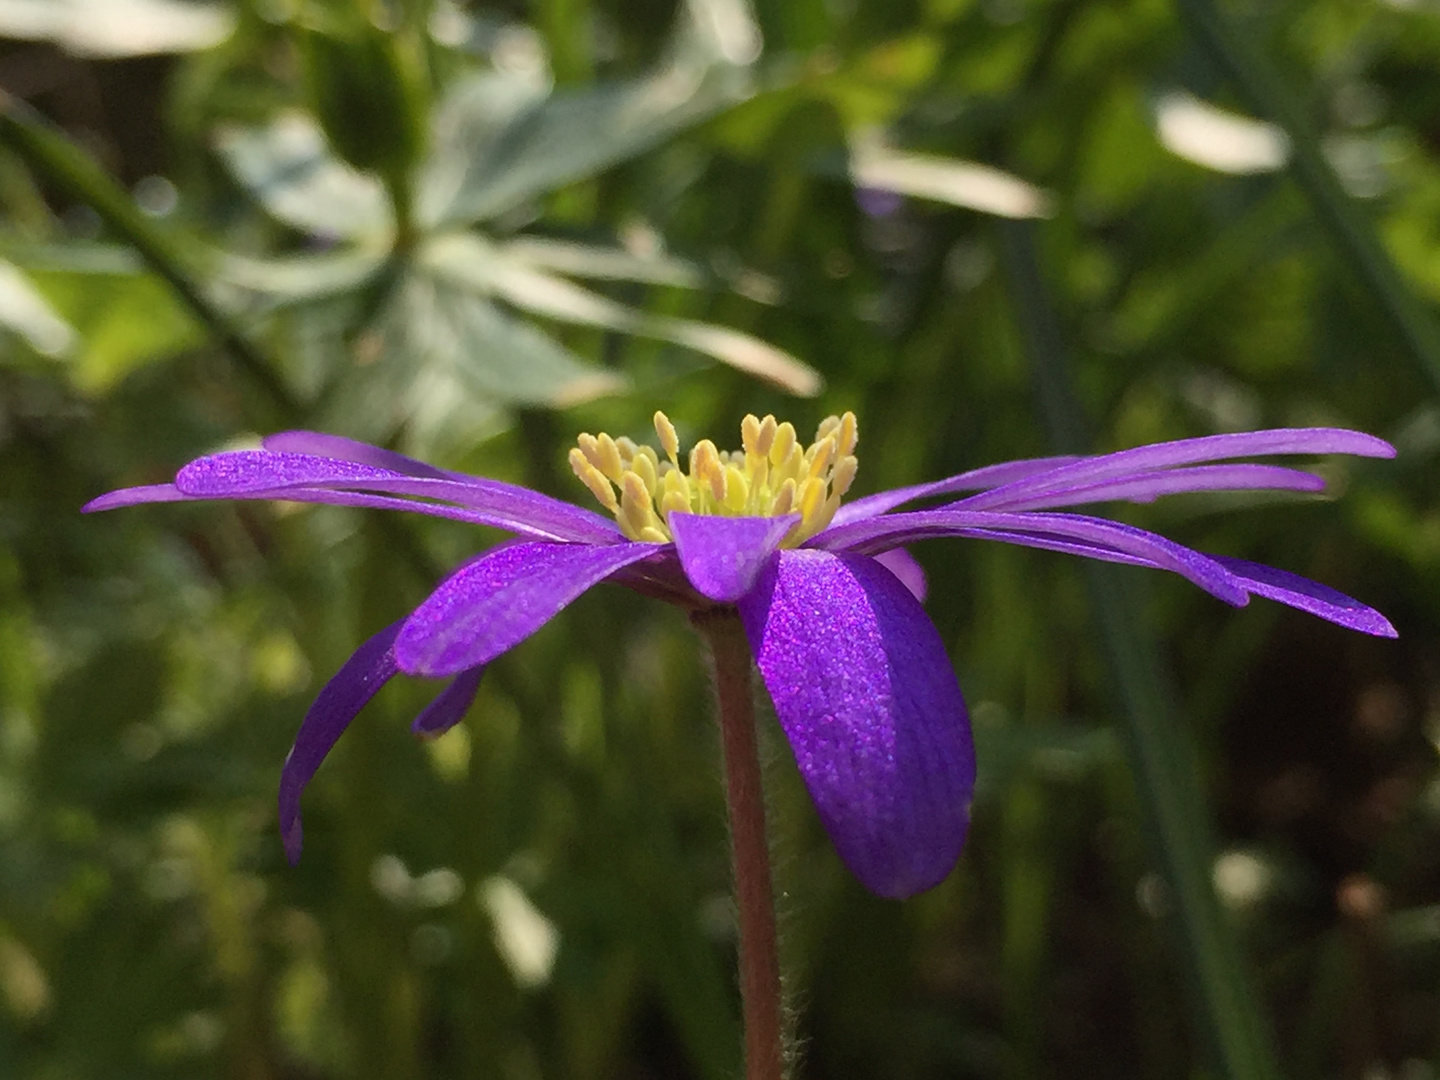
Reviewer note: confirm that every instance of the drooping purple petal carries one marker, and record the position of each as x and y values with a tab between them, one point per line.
449	706
277	475
1307	595
321	444
880	534
502	598
149	493
722	556
1149	485
1169	455
866	695
357	681
975	480
903	565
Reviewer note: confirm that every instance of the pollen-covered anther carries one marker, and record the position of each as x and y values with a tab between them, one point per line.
770	476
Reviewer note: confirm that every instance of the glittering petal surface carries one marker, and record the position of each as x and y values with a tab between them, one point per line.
1149	485
450	705
502	598
868	700
722	556
370	668
1307	595
320	444
903	565
880	534
975	480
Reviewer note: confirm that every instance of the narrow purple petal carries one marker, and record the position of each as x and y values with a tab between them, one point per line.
449	706
975	480
722	556
320	444
1149	485
867	697
903	565
880	534
502	598
1307	595
282	475
150	493
1168	455
370	668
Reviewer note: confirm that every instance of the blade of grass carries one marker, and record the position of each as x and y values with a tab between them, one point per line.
1228	1010
55	157
1350	230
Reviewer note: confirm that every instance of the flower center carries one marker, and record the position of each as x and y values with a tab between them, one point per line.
773	475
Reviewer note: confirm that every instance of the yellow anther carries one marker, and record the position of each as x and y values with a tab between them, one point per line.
844	475
750	434
766	437
784	499
820	455
849	433
643	466
590	447
609	463
829	424
737	489
635	508
654	535
783	444
812	495
669	441
591	477
757	470
627	448
672	501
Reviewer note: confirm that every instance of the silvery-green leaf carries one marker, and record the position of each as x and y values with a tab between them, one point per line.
604	264
116	28
290	170
947	180
470	262
25	312
498	150
497	356
298	278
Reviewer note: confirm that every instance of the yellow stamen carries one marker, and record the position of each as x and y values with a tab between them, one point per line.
773	475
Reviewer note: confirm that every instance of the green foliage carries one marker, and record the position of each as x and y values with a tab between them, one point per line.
1204	840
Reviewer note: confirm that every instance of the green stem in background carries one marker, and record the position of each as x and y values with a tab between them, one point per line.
59	161
1162	760
745	796
1351	231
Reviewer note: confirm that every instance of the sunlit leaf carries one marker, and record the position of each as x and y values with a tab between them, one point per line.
25	312
1216	138
469	261
297	278
116	28
604	264
290	170
947	180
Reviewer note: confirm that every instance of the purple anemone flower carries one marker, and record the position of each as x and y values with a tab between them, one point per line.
830	601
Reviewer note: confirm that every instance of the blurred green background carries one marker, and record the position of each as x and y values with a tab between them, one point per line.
1206	841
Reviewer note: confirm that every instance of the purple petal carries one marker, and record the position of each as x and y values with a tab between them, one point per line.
370	668
866	695
880	534
1131	463
1149	485
284	475
975	480
150	493
1307	595
502	598
722	556
320	444
903	565
449	706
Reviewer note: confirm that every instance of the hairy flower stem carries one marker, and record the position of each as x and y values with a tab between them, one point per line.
759	951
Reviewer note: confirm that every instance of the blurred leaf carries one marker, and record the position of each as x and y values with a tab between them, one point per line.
604	264
501	140
299	278
117	28
290	170
470	261
27	313
959	183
